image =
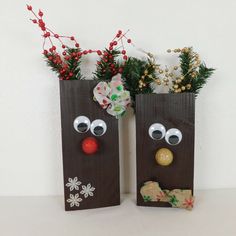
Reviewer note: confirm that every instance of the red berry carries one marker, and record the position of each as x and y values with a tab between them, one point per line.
110	57
112	65
54	48
99	53
77	45
40	13
64	53
125	57
123	52
111	44
115	43
29	7
45	52
119	32
63	46
85	52
90	51
118	35
76	58
34	21
50	58
56	36
110	48
43	28
72	38
128	40
70	74
120	70
41	24
98	62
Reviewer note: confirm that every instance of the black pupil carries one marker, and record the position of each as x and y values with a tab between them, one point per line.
82	127
157	134
98	130
173	139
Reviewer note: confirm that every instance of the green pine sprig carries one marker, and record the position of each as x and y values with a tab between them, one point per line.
137	76
194	73
108	65
67	67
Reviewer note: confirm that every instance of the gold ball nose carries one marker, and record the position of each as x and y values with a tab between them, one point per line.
164	157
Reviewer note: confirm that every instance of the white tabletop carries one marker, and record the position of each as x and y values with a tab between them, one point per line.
214	214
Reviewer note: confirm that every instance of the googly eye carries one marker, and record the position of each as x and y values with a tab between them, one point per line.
173	136
82	124
157	131
98	127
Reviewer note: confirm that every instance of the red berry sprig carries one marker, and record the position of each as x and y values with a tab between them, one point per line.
118	42
71	56
48	34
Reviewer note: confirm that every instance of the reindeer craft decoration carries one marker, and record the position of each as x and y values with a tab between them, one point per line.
90	149
90	142
165	149
89	108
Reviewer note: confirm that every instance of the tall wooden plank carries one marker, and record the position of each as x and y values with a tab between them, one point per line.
100	170
173	111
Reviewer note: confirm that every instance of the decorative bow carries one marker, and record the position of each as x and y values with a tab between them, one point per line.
151	192
112	96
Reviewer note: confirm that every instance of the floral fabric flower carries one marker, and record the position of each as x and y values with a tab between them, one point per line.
112	96
179	198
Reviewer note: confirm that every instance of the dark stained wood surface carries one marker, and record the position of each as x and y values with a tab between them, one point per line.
173	111
100	169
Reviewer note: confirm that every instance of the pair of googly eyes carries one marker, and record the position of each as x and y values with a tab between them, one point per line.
82	124
158	131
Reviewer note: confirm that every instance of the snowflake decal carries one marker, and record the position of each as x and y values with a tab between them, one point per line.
74	200
73	184
87	190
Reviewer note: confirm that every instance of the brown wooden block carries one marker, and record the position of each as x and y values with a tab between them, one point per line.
100	170
172	111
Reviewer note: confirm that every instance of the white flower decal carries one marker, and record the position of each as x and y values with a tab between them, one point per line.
87	190
74	200
73	184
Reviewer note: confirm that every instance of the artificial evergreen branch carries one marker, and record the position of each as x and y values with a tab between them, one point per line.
68	67
108	66
137	76
194	73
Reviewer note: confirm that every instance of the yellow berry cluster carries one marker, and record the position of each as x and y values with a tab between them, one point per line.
178	83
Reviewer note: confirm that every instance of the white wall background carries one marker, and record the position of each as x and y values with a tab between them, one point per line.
30	141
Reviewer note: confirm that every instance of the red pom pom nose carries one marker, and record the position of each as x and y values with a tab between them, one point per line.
90	145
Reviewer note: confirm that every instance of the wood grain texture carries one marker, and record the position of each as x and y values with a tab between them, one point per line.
100	169
173	111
